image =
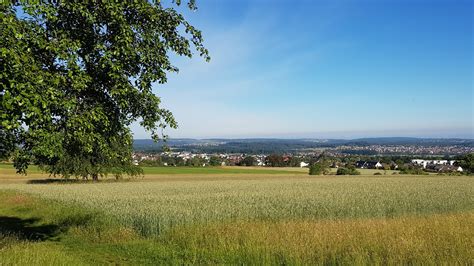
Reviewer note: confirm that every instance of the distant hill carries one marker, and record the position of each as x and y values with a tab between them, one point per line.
269	145
413	141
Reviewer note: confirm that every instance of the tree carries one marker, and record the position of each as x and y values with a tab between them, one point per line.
467	163
319	168
76	74
148	162
274	160
195	162
294	161
248	161
215	161
7	144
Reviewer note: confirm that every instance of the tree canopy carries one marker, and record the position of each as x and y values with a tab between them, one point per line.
467	163
248	161
319	168
76	74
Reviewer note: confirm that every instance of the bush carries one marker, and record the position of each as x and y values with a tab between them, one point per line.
347	171
413	171
319	169
377	173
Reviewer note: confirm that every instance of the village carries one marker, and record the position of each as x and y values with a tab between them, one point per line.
406	149
190	159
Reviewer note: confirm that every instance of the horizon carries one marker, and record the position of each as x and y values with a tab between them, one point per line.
436	134
428	134
290	138
325	69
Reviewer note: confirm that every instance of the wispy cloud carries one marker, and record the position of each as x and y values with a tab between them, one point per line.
279	68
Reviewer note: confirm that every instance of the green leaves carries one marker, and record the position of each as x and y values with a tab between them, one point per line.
76	75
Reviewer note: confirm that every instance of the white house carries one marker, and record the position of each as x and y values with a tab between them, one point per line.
303	164
439	162
418	161
424	163
369	164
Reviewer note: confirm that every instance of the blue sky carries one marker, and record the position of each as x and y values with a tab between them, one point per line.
326	69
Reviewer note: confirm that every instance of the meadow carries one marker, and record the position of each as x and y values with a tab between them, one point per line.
282	217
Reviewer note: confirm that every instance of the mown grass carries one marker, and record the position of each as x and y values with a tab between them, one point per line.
219	170
8	173
323	220
7	168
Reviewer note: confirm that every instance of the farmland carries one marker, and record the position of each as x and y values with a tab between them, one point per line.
221	170
235	215
8	173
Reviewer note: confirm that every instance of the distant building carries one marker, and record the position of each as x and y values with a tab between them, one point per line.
426	163
368	164
419	162
443	168
303	164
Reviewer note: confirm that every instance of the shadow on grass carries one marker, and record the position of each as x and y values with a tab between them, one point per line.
27	229
79	181
57	181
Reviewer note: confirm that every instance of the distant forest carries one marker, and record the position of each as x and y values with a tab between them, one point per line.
268	146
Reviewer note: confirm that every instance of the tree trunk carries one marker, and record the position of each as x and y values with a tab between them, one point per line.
95	177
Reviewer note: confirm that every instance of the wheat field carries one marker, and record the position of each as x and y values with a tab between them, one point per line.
260	220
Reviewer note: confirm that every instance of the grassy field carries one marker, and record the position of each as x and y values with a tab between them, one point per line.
221	170
8	173
245	218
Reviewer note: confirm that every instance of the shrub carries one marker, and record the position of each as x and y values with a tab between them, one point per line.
347	171
319	168
413	171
